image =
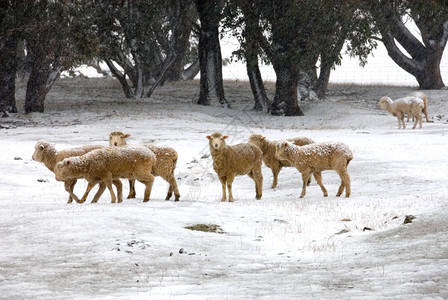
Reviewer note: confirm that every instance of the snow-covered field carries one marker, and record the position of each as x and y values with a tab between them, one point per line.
280	247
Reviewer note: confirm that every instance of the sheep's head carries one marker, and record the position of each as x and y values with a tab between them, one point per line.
118	138
217	141
61	169
280	149
385	102
39	149
259	141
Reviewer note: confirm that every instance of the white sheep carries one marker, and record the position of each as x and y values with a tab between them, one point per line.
404	106
318	157
107	164
47	154
422	96
268	149
231	161
166	160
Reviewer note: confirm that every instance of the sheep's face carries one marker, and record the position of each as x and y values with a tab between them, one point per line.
38	151
61	170
217	141
385	102
118	138
280	150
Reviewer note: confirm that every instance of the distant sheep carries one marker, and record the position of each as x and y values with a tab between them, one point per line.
166	160
400	107
315	158
47	154
422	96
231	161
268	149
107	164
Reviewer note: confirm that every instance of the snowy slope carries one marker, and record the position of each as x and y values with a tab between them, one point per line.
280	247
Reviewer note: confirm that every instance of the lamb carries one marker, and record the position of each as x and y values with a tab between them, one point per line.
315	158
166	160
400	107
107	164
231	161
268	149
422	96
47	154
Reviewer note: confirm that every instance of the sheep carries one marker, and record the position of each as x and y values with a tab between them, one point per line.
422	96
107	164
400	107
47	154
230	161
315	158
166	160
268	149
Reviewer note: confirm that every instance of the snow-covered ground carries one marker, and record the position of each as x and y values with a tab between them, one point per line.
280	247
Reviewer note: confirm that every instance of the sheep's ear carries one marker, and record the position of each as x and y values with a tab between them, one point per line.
42	147
263	138
127	135
224	137
209	137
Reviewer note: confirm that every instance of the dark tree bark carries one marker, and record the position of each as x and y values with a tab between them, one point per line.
425	56
285	99
251	49
8	70
42	77
210	60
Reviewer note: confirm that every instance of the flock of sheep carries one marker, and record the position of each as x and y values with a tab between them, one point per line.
107	165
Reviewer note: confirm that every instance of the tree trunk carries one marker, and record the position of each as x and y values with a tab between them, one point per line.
191	72
42	78
8	69
285	99
257	86
210	60
121	78
424	60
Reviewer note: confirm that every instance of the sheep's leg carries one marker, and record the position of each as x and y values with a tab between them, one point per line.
72	183
418	119
275	172
318	176
89	188
400	118
173	188
119	186
131	194
229	186
345	183
148	182
257	177
305	178
68	185
112	194
425	111
223	184
98	194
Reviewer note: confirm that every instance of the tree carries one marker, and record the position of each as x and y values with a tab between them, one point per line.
145	41
422	59
210	60
58	38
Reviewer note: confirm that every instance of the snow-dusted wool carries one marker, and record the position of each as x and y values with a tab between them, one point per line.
231	161
404	106
107	164
318	157
47	154
268	149
422	96
166	160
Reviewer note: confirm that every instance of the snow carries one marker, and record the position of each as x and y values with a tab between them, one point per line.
278	247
